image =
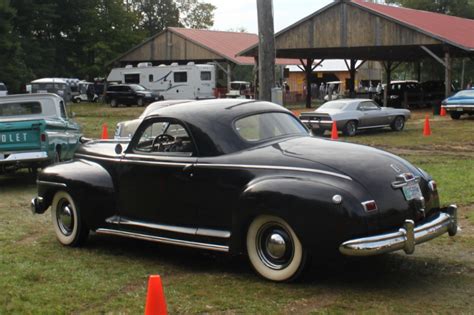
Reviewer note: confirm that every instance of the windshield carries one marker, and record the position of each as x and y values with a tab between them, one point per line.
267	126
466	93
334	105
137	87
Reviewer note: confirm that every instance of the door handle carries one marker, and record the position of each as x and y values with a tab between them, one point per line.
188	168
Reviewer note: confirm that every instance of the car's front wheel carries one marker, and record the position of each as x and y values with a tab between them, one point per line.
274	249
113	102
398	124
455	115
350	128
67	221
140	102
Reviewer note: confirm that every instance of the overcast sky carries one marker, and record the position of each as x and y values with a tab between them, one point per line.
235	14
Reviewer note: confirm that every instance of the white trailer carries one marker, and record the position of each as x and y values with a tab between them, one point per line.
189	81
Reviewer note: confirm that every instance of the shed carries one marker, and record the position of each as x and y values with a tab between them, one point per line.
201	46
361	30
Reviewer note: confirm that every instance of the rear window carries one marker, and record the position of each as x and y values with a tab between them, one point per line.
20	109
267	126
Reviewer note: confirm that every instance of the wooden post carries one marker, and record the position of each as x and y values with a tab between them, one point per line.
308	70
447	77
229	76
352	72
388	71
463	71
266	49
418	70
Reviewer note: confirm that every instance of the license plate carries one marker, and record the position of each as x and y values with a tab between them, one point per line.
459	109
412	191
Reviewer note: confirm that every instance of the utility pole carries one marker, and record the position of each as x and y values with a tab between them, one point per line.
266	49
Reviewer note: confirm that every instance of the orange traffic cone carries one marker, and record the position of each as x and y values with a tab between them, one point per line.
334	133
155	297
443	111
427	128
105	134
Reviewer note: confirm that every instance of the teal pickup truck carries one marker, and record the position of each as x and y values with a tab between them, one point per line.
35	131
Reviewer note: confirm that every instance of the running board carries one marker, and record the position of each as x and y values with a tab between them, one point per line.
164	240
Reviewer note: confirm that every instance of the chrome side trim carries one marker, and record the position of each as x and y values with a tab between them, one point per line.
164	240
42	182
406	238
170	228
277	168
79	155
234	166
325	122
370	127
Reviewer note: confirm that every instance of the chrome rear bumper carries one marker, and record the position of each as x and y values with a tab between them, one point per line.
406	238
23	157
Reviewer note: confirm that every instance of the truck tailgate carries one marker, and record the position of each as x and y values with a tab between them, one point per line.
23	135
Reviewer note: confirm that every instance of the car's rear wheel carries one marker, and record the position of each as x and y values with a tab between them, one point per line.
398	124
455	115
67	221
350	128
274	249
113	102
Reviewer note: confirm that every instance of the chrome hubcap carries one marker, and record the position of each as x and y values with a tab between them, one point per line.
275	246
65	217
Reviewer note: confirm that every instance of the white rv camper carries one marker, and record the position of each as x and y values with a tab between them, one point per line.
189	81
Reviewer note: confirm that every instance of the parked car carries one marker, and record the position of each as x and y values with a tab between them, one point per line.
85	93
243	176
3	89
129	94
460	103
35	131
405	94
352	115
434	91
125	129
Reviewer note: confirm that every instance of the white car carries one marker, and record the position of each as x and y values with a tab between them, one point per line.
125	129
3	89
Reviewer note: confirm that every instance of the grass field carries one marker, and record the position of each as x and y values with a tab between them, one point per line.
38	275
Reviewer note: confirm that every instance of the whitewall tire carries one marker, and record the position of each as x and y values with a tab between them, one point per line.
67	221
274	249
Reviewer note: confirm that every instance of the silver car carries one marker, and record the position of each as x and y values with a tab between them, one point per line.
125	129
352	115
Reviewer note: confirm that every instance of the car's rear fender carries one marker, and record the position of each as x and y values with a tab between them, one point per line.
89	184
307	205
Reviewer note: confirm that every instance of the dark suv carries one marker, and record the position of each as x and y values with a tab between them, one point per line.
405	94
130	94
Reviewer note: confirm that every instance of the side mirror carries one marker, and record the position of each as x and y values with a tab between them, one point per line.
118	149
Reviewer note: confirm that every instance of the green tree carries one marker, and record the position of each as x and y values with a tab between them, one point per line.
13	71
156	15
196	14
461	8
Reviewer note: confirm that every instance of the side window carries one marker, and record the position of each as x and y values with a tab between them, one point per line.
132	78
180	77
165	138
62	109
205	75
368	106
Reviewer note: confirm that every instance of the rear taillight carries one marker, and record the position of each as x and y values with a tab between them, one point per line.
43	137
370	206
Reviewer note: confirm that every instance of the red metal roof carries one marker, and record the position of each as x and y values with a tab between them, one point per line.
451	29
226	44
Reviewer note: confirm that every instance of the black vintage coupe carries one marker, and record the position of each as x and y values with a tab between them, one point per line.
243	177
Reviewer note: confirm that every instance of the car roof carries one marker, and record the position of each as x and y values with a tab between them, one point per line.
32	96
211	121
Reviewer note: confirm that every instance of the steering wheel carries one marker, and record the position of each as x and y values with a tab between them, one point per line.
160	139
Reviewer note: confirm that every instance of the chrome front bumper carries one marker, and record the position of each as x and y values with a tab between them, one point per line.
406	238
